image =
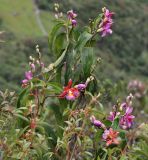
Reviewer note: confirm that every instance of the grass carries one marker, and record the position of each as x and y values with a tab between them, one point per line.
19	17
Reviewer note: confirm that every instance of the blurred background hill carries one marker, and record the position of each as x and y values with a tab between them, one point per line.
27	22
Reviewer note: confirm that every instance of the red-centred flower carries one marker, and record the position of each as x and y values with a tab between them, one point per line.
110	136
69	92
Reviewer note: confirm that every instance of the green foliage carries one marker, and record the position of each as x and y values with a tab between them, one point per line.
49	122
123	60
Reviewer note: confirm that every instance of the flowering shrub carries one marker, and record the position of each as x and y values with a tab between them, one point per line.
58	114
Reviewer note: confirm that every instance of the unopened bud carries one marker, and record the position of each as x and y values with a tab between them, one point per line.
56	5
91	78
37	61
60	14
55	71
129	99
56	9
37	46
37	50
99	59
30	57
51	66
103	9
32	66
100	30
56	16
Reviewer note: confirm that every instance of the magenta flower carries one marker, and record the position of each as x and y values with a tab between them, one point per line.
73	22
32	66
96	122
106	24
126	120
24	81
81	87
113	115
71	17
110	136
123	105
106	29
28	76
108	14
71	14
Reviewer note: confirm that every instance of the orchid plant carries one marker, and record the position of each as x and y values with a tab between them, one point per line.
58	114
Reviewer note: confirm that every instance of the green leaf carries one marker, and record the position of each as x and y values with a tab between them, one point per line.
49	131
21	117
107	123
57	113
87	57
88	153
61	58
22	131
60	44
56	86
98	136
123	157
58	62
37	82
53	34
115	123
70	62
82	40
20	97
98	158
97	20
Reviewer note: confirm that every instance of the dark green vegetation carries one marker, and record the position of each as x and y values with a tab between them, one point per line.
41	122
124	54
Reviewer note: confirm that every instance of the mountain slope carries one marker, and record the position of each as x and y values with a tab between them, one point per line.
21	17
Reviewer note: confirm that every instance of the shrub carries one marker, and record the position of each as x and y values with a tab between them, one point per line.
49	121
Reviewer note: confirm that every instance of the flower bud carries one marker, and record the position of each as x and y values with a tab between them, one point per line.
56	16
32	66
31	58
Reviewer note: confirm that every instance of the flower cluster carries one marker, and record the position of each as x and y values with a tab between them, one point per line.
110	136
71	93
126	120
57	13
106	23
71	17
125	114
33	62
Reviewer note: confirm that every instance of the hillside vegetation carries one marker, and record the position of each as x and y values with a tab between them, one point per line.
19	17
124	54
